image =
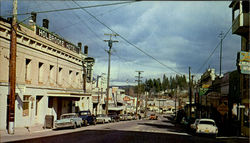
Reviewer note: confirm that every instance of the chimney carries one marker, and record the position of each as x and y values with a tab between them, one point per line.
46	23
80	46
33	17
86	49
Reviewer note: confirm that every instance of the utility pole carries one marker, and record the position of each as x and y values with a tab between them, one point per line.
190	94
138	92
176	97
146	105
110	42
12	72
84	75
221	36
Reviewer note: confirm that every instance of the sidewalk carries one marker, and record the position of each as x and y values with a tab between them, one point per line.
21	133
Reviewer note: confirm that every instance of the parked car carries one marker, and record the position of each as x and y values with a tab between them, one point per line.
206	126
101	118
123	117
87	118
114	117
129	117
194	125
69	120
153	117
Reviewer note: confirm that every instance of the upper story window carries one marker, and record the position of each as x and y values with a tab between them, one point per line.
40	72
28	71
51	74
60	70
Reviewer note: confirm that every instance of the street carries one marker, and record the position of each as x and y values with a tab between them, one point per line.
135	131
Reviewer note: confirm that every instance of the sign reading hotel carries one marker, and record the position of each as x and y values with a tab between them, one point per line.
56	39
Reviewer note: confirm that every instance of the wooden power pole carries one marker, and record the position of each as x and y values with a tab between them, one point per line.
190	94
110	42
12	72
138	92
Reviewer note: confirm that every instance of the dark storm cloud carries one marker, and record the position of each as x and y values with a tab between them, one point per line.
178	34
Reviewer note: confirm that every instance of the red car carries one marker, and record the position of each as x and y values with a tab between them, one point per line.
153	117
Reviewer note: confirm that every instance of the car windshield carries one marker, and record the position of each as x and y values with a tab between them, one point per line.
67	116
207	122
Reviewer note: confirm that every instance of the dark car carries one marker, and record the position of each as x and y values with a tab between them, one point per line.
87	118
114	117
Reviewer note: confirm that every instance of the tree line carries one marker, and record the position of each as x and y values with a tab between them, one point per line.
166	84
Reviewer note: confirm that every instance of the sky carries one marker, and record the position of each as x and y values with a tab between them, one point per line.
177	34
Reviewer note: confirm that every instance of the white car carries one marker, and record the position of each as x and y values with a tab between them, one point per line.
101	118
69	120
206	126
194	125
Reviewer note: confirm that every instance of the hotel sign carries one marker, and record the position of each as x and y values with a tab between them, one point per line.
56	39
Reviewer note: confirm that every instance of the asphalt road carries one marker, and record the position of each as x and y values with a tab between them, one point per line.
136	131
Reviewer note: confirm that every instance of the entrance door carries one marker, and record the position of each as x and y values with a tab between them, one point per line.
37	111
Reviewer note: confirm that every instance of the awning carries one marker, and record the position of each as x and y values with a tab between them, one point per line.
73	96
115	108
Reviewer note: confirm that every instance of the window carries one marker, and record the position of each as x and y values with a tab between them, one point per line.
60	75
51	73
70	76
28	71
26	105
40	72
77	78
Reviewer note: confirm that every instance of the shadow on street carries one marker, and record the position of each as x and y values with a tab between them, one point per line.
115	136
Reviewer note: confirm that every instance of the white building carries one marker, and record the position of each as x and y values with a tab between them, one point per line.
49	76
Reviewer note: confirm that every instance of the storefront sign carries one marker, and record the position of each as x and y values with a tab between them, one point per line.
56	39
244	62
202	91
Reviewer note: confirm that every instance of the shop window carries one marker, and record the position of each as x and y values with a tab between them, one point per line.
26	105
246	117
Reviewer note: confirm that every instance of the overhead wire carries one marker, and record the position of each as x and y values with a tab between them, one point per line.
127	40
224	36
101	14
65	9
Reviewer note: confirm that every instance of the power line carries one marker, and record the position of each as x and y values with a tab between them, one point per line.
127	40
101	14
65	9
223	37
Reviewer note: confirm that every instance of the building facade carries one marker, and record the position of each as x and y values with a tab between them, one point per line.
49	75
